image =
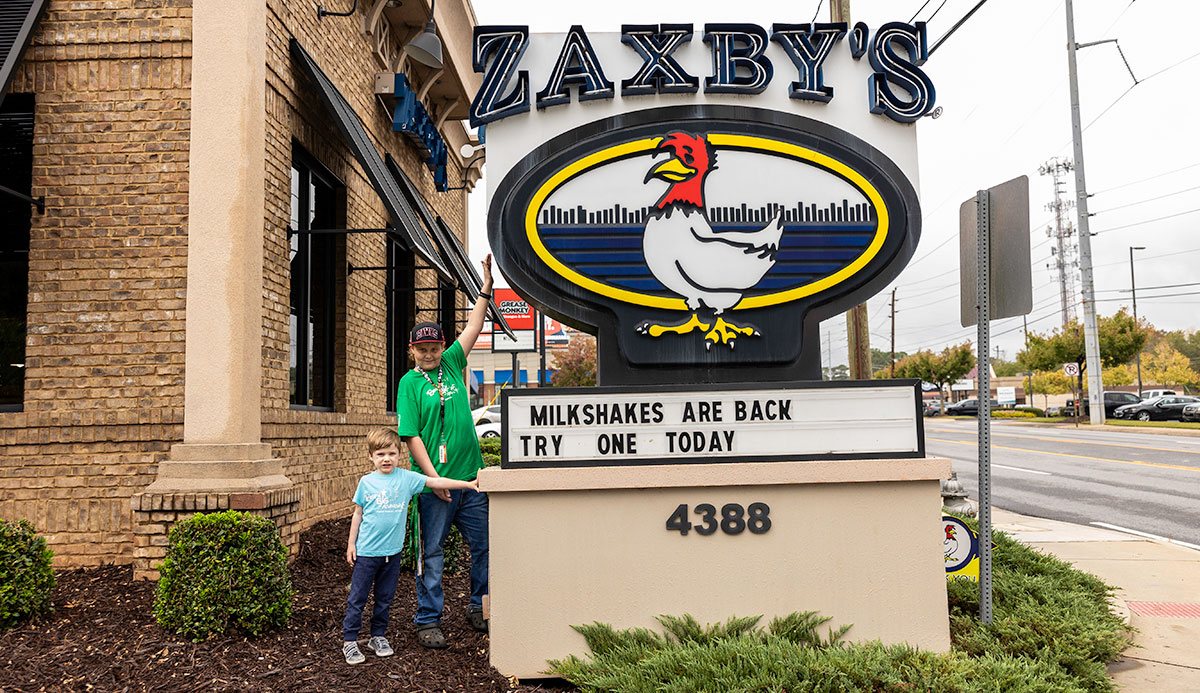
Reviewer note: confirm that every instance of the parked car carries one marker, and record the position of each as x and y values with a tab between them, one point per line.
488	414
488	430
1151	394
1191	412
1113	401
932	407
1054	411
968	407
1166	408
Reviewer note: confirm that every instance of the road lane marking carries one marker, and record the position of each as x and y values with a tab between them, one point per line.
1021	469
1145	534
1069	440
1067	454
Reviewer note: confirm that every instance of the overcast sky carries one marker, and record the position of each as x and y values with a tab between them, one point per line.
1002	82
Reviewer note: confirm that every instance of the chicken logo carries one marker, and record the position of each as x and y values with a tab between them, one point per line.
703	237
950	544
708	268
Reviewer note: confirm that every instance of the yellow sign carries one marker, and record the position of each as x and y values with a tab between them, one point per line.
960	546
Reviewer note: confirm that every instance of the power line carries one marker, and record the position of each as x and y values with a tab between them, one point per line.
1151	199
1144	298
1164	286
957	24
1147	221
816	11
1143	180
910	19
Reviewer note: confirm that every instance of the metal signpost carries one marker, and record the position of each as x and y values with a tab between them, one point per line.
1000	235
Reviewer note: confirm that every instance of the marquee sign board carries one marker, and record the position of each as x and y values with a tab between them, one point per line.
616	426
702	227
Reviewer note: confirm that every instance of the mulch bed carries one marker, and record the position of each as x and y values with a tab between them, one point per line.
102	636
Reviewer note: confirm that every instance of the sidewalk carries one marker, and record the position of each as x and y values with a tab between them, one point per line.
1159	594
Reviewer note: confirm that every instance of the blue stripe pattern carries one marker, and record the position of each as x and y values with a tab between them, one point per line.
613	254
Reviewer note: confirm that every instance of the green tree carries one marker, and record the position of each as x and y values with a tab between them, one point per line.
1120	340
838	372
882	360
1046	383
576	366
1006	369
1186	342
1167	366
939	369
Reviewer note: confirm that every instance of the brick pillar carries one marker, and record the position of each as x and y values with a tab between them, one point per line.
222	462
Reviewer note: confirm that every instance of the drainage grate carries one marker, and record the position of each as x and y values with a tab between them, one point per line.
1165	609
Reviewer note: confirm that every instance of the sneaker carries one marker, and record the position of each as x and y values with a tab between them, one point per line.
379	645
477	621
353	656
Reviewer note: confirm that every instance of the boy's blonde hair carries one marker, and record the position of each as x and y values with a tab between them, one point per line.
381	438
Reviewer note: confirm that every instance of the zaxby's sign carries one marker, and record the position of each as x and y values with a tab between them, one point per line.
704	215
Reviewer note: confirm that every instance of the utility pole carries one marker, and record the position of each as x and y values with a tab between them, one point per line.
1091	334
1133	289
892	373
858	329
1056	168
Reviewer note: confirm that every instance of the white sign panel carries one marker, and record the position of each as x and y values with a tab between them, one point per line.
640	425
964	385
1006	395
1071	369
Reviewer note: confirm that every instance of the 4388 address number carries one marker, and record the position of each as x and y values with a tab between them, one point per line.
734	519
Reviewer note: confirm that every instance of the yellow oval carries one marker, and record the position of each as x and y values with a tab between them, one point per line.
751	142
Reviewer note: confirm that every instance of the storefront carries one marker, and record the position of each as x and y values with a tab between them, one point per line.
217	229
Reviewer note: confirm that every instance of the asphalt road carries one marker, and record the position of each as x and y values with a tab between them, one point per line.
1148	482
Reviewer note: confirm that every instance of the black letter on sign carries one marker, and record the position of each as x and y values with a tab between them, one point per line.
798	41
737	48
916	95
659	73
498	49
577	65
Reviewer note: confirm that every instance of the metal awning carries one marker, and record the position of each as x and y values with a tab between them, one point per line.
17	20
348	123
468	277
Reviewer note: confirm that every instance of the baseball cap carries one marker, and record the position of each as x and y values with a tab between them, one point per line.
425	332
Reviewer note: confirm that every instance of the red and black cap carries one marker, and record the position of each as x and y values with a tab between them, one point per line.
426	332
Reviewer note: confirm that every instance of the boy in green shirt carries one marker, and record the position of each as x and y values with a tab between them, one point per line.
434	419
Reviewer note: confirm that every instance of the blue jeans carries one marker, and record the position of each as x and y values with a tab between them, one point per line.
467	510
382	572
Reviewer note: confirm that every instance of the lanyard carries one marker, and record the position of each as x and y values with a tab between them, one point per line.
441	410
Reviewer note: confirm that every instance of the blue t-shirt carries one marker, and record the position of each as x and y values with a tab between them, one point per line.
384	500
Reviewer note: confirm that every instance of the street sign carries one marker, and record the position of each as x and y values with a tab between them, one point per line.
1071	369
1011	290
521	318
1006	395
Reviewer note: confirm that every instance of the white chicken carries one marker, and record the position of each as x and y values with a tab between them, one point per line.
683	251
950	544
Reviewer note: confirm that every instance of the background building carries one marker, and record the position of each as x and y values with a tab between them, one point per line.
174	336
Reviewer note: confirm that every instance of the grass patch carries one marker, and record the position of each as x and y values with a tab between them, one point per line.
1051	631
1192	425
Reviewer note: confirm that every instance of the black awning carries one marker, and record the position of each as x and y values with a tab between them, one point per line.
468	277
17	20
403	216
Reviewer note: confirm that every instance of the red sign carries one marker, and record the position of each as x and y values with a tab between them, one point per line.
516	311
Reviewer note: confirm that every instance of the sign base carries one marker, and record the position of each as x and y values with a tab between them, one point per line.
854	540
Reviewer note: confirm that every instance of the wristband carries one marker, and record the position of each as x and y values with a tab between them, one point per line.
484	294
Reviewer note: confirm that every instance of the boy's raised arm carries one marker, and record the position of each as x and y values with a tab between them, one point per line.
470	333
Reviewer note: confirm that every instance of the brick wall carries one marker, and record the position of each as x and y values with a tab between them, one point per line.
105	354
107	267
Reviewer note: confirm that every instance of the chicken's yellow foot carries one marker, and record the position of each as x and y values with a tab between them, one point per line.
726	332
693	323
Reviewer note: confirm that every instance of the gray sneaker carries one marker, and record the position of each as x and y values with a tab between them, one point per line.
379	645
353	656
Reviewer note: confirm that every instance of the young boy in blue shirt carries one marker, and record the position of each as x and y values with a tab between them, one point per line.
377	536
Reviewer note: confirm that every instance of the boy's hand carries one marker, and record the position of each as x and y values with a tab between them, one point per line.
487	272
442	494
351	554
474	484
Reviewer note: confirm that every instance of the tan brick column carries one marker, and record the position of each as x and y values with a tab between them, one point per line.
222	461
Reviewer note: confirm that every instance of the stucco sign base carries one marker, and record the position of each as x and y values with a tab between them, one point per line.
854	540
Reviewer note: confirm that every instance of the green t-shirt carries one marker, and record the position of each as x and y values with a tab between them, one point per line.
417	404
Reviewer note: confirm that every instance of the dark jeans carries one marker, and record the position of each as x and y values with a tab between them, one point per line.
382	572
467	510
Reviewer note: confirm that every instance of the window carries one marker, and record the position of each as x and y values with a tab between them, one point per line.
16	174
315	270
400	311
447	310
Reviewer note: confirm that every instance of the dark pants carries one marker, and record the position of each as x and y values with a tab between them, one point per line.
382	573
467	510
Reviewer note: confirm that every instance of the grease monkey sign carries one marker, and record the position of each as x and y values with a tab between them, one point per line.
701	198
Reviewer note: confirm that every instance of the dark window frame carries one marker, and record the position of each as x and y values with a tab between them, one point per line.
312	284
400	291
16	173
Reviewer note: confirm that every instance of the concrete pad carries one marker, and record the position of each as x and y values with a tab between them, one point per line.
1138	676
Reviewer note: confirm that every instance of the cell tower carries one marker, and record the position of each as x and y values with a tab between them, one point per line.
1065	258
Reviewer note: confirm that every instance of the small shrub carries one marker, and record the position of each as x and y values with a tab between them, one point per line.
489	446
223	570
25	575
1036	411
1013	414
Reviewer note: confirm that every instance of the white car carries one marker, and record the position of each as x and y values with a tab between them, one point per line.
488	414
488	430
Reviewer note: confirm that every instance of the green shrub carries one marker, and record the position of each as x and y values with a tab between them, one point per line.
223	570
25	575
1013	414
1036	411
489	446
